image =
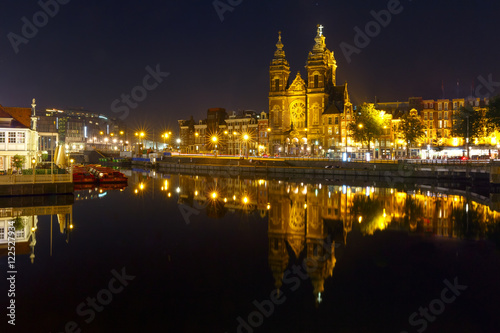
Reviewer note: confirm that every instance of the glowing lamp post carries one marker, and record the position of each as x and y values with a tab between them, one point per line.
165	136
245	138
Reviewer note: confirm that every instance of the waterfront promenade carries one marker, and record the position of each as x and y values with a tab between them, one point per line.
462	171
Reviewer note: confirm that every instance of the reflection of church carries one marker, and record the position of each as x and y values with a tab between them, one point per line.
296	228
309	223
309	115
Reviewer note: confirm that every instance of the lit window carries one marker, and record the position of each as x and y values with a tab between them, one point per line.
21	137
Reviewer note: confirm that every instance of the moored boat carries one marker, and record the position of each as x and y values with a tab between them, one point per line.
107	175
82	176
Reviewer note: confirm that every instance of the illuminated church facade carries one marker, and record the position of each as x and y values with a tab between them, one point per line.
307	116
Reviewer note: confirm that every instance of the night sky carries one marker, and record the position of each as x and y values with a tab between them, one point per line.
91	52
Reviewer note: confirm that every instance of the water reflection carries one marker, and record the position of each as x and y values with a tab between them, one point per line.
91	191
310	221
25	220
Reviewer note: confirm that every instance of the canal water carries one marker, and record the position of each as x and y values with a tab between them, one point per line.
213	253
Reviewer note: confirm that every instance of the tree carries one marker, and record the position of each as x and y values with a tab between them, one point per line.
18	161
412	129
493	111
367	124
470	124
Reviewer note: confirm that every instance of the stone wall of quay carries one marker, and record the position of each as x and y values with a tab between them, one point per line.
483	172
35	189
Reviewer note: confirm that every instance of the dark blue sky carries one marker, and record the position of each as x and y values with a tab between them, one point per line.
91	52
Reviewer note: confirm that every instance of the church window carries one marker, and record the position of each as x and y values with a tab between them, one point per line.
316	81
276	84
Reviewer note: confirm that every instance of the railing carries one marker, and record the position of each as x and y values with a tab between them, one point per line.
36	179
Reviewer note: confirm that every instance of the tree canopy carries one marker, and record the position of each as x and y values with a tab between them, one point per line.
472	124
368	124
412	128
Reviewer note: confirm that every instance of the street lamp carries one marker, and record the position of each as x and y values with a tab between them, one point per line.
165	136
215	139
245	138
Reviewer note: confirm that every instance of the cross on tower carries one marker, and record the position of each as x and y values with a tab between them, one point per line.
320	29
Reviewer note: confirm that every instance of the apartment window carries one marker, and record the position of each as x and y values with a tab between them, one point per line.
2	137
336	120
431	115
446	106
329	131
431	124
336	130
446	115
425	115
440	106
440	124
12	137
446	124
440	114
329	120
21	137
454	105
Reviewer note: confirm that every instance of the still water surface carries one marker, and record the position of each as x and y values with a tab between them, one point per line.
184	253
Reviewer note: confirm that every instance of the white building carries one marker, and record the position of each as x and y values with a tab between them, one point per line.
18	136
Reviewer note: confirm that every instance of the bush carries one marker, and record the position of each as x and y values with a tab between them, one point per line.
18	223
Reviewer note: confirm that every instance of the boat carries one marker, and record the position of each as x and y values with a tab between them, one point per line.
107	175
81	175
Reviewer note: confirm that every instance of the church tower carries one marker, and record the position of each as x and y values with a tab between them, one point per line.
321	68
279	72
298	111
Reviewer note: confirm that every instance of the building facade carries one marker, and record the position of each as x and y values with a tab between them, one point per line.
244	133
18	136
298	110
